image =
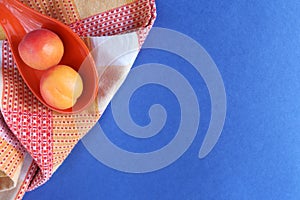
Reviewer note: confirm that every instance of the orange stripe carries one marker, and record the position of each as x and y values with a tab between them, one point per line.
10	158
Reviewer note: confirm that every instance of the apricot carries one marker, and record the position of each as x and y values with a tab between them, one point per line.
41	49
61	86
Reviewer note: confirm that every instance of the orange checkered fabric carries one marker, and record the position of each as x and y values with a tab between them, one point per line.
35	140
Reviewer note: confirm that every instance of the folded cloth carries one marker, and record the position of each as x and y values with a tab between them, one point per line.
34	140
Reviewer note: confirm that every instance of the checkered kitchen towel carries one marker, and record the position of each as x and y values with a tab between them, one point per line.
34	141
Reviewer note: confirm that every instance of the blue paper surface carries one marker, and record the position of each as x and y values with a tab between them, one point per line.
256	47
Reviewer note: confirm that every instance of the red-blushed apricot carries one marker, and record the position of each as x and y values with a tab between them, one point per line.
61	86
41	49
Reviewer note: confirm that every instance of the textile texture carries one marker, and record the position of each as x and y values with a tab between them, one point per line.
34	140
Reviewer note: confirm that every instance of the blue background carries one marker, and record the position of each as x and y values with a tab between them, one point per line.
256	46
